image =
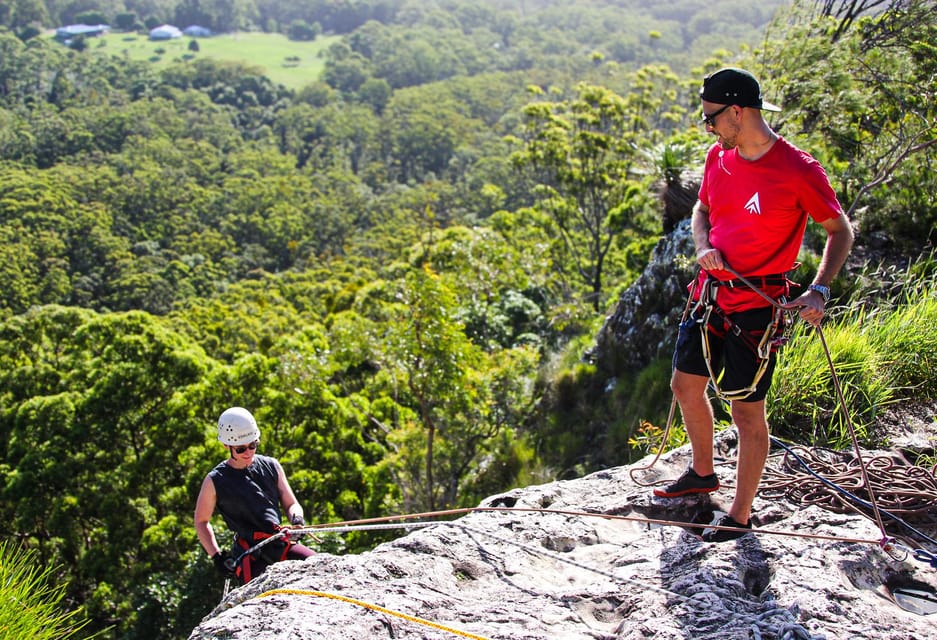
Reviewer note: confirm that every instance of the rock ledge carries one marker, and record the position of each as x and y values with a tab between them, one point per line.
569	573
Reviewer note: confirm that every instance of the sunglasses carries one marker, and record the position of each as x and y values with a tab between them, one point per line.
245	447
709	119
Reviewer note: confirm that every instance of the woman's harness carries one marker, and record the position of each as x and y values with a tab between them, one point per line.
762	342
270	547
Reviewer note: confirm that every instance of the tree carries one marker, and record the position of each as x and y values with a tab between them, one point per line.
376	93
126	21
91	17
862	92
335	136
27	12
303	31
91	427
583	154
499	288
335	453
847	12
421	131
448	399
345	70
431	357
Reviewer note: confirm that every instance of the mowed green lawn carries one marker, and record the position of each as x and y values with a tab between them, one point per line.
290	63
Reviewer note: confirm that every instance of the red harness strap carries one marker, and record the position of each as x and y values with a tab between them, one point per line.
753	338
243	571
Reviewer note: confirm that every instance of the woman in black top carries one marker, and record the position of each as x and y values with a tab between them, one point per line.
248	490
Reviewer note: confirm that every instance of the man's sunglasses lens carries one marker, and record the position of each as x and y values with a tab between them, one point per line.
709	119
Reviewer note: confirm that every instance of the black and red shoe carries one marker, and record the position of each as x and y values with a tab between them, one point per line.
687	484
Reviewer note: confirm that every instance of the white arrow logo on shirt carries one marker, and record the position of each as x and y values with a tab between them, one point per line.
753	205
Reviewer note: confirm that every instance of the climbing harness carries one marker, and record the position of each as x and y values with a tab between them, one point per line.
243	561
774	336
242	564
713	321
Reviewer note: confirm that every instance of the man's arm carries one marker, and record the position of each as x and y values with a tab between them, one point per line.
708	257
294	511
839	241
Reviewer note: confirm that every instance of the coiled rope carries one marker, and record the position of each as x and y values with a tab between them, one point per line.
905	492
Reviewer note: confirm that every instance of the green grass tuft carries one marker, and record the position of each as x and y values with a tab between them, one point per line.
30	600
882	355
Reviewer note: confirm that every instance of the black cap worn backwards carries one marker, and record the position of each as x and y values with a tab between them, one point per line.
734	86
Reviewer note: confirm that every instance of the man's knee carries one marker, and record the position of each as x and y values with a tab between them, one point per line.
300	552
750	417
687	386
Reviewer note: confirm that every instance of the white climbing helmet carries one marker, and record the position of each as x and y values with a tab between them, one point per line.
237	426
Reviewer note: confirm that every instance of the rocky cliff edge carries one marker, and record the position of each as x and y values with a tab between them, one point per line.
596	558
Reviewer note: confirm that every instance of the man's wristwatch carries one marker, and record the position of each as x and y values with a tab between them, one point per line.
822	289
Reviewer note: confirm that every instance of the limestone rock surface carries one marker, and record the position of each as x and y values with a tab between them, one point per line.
594	558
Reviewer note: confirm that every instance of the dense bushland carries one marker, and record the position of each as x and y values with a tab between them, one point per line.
394	272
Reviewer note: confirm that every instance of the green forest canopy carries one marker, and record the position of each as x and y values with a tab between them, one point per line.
376	263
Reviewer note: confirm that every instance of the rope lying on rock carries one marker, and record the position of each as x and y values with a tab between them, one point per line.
834	481
372	607
769	618
344	526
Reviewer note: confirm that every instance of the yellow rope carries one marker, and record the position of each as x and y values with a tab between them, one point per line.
373	607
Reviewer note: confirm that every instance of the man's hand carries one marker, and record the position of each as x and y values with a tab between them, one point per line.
297	521
811	307
710	259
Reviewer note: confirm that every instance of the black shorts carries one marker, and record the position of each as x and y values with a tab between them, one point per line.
729	353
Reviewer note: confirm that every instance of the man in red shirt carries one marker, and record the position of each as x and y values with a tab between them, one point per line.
756	195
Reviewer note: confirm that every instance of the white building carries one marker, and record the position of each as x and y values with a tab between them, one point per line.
165	32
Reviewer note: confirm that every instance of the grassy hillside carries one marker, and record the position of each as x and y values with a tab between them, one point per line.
290	63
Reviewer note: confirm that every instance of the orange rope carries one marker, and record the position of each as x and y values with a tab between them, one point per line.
580	514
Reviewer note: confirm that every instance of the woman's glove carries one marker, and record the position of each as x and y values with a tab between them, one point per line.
225	564
297	521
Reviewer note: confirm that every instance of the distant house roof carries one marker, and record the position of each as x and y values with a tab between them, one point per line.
196	31
72	30
165	32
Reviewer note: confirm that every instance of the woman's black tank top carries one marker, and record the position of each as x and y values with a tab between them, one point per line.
248	499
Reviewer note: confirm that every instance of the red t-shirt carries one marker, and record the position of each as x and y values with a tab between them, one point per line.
758	213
